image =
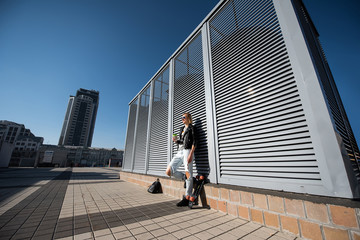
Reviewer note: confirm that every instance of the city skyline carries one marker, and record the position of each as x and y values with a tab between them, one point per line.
48	50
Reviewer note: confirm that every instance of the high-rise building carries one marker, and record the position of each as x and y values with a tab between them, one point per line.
80	117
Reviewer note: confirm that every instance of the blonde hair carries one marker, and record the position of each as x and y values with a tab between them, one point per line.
189	116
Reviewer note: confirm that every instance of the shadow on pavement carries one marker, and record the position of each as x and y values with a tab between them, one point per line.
15	180
110	219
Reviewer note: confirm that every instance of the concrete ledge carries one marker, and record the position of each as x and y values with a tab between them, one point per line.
306	216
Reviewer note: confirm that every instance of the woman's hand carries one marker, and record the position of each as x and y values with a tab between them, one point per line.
190	157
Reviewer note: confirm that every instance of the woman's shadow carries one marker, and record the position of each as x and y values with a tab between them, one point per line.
202	156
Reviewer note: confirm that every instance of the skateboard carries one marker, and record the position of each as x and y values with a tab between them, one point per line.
199	182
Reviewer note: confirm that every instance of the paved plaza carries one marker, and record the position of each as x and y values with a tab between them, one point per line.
93	203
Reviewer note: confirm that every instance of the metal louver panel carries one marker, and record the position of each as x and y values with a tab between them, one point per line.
189	96
332	95
340	119
141	131
128	155
261	127
159	122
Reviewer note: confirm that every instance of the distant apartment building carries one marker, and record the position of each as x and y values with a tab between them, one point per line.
78	156
80	117
18	146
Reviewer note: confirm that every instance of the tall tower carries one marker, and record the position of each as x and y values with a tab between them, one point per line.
79	122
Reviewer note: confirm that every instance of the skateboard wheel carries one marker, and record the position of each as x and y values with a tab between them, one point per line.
188	198
192	199
202	177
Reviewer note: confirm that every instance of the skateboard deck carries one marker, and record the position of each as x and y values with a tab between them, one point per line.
199	184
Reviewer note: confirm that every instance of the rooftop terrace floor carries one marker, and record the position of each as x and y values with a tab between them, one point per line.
93	203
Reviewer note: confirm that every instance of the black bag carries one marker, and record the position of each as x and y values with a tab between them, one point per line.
155	187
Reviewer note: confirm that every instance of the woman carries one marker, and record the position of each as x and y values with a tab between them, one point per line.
185	155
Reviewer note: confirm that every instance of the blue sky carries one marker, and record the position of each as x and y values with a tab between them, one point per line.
49	49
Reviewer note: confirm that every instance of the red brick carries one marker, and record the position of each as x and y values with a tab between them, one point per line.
180	185
260	201
172	192
257	216
343	216
317	212
177	184
271	219
208	190
294	207
224	194
243	212
276	204
335	234
246	198
164	182
222	206
290	224
213	203
215	192
179	193
232	209
235	196
310	230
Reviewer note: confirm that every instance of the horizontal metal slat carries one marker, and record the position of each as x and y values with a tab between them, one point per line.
236	86
246	46
269	149
250	84
236	104
260	145
227	13
273	175
266	137
222	82
274	155
268	123
263	134
301	137
257	164
276	110
281	101
244	101
278	169
251	63
287	159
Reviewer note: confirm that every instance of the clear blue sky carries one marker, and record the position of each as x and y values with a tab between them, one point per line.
49	49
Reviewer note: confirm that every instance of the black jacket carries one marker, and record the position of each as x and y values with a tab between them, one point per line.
189	138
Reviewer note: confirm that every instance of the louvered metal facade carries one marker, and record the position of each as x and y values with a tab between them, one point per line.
141	131
158	143
130	135
189	96
263	100
262	129
332	95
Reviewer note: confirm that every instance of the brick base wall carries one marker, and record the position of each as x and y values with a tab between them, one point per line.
299	216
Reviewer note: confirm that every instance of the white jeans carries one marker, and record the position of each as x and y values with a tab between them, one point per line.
181	158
